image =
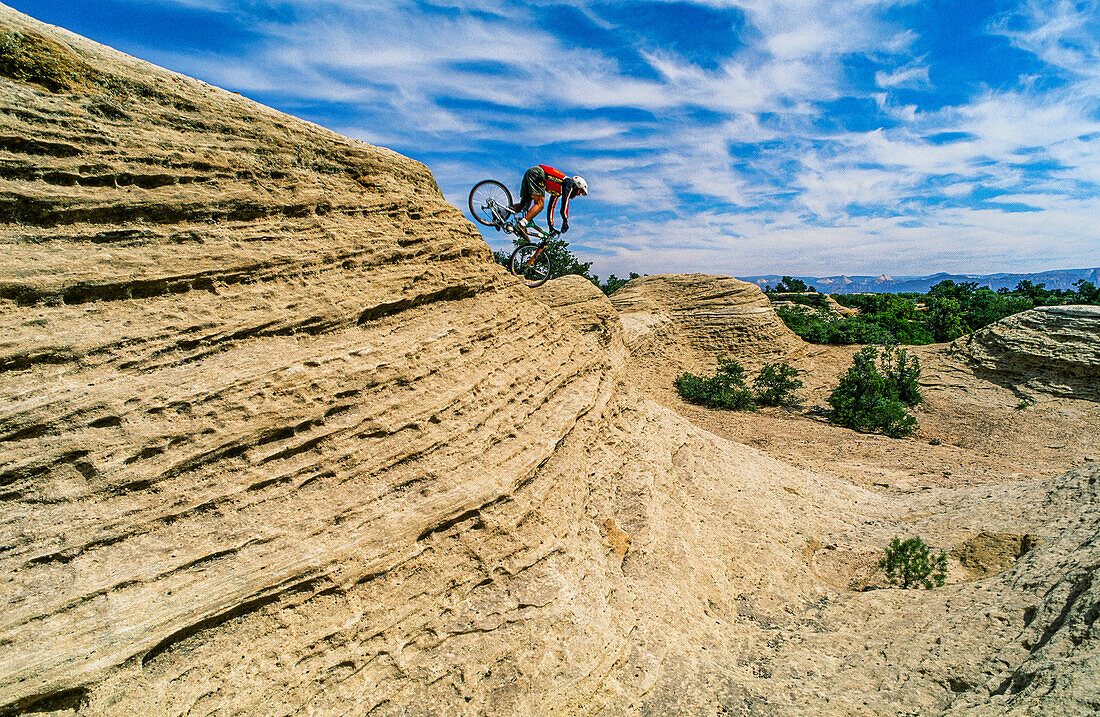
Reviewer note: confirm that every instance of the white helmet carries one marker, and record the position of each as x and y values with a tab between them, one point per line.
582	185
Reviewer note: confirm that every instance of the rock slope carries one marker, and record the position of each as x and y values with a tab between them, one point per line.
237	353
264	387
702	314
278	437
1050	349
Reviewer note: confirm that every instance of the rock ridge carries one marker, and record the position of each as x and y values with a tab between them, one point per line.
1049	349
702	313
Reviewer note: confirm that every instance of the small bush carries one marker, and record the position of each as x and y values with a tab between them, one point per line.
776	384
807	323
726	389
902	373
910	564
891	418
868	399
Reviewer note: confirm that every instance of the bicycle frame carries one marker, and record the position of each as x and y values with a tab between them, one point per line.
507	217
500	211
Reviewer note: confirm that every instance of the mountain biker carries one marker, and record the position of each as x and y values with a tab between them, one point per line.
539	180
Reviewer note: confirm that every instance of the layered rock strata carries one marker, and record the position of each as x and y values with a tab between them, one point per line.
277	431
1050	349
702	313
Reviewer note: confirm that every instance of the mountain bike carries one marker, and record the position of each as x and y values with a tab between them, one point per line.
491	205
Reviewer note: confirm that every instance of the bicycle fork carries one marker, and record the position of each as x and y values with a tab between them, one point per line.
538	252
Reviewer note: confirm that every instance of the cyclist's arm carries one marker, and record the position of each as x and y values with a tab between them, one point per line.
566	192
550	211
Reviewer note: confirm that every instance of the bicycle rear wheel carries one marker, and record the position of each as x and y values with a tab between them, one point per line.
531	265
484	197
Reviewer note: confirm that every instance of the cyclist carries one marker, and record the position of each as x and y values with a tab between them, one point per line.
539	180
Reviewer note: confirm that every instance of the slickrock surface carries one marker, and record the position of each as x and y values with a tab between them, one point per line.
1050	349
278	437
683	322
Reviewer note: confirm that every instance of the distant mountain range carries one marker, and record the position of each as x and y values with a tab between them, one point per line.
1058	279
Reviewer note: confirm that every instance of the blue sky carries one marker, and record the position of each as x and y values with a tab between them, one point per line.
738	137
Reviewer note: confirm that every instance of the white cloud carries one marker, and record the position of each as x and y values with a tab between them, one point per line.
486	79
913	75
1062	33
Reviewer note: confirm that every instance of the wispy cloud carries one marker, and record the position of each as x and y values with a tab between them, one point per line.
912	75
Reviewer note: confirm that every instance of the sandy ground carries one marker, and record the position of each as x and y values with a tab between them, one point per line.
972	433
985	435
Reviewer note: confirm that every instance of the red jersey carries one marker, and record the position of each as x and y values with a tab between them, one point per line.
554	178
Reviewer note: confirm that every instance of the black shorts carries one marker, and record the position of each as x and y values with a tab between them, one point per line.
534	184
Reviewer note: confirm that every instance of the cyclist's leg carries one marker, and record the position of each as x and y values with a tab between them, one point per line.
536	206
524	200
531	192
524	193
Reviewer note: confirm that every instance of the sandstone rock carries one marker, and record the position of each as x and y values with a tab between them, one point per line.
581	304
1021	642
988	553
681	323
702	313
224	356
276	430
1050	349
278	436
1055	658
836	308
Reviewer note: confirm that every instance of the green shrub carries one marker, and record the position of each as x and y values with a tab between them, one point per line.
875	334
910	564
692	388
902	373
776	384
613	282
810	325
892	419
726	389
944	318
788	284
860	392
947	311
815	301
1086	293
868	399
821	327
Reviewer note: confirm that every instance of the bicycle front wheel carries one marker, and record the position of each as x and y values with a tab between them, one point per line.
484	197
530	264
